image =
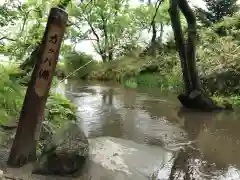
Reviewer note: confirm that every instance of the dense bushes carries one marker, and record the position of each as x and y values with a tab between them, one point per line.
219	57
58	108
11	95
75	60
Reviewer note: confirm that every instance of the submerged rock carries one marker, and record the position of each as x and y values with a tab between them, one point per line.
116	159
65	154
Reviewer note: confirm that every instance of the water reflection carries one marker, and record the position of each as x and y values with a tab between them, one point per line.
107	96
210	141
211	156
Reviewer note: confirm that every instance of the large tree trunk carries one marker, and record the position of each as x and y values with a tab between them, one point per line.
191	43
193	97
180	43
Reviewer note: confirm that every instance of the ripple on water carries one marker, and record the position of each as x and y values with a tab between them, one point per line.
157	120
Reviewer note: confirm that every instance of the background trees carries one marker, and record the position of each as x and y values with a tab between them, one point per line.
216	10
129	37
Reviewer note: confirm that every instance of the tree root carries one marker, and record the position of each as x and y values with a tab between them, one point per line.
198	101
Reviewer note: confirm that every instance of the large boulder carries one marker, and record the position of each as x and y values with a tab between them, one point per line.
65	154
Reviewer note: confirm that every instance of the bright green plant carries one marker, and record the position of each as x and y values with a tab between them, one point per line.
58	109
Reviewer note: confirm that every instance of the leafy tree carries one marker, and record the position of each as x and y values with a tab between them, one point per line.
153	16
194	97
110	23
32	26
26	33
9	11
216	10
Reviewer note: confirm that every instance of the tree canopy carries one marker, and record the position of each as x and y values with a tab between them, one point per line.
216	10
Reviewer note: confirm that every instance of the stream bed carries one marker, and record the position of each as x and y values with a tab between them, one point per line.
145	134
157	126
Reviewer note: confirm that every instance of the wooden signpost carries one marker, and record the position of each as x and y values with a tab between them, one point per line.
29	126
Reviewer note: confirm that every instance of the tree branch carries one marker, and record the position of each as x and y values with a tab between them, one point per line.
155	14
9	39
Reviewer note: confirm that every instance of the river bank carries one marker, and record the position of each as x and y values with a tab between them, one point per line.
217	63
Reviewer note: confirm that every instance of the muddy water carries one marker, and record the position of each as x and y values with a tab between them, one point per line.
148	117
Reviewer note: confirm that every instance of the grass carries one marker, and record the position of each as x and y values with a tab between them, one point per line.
155	80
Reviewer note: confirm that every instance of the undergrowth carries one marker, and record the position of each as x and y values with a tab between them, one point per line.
58	109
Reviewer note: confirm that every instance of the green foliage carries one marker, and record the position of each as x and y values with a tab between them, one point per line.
232	99
168	82
60	71
8	12
108	22
229	26
219	57
216	10
11	95
135	71
27	32
73	61
217	60
144	16
58	109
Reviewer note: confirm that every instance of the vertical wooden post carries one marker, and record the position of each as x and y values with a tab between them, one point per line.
24	145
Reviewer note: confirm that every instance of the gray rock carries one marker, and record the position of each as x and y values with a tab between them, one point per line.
65	154
118	159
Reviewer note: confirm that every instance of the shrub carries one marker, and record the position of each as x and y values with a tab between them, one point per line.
75	60
58	109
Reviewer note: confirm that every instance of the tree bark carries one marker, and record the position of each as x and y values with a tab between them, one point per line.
194	97
191	43
99	49
187	52
180	43
30	122
106	38
160	39
153	45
